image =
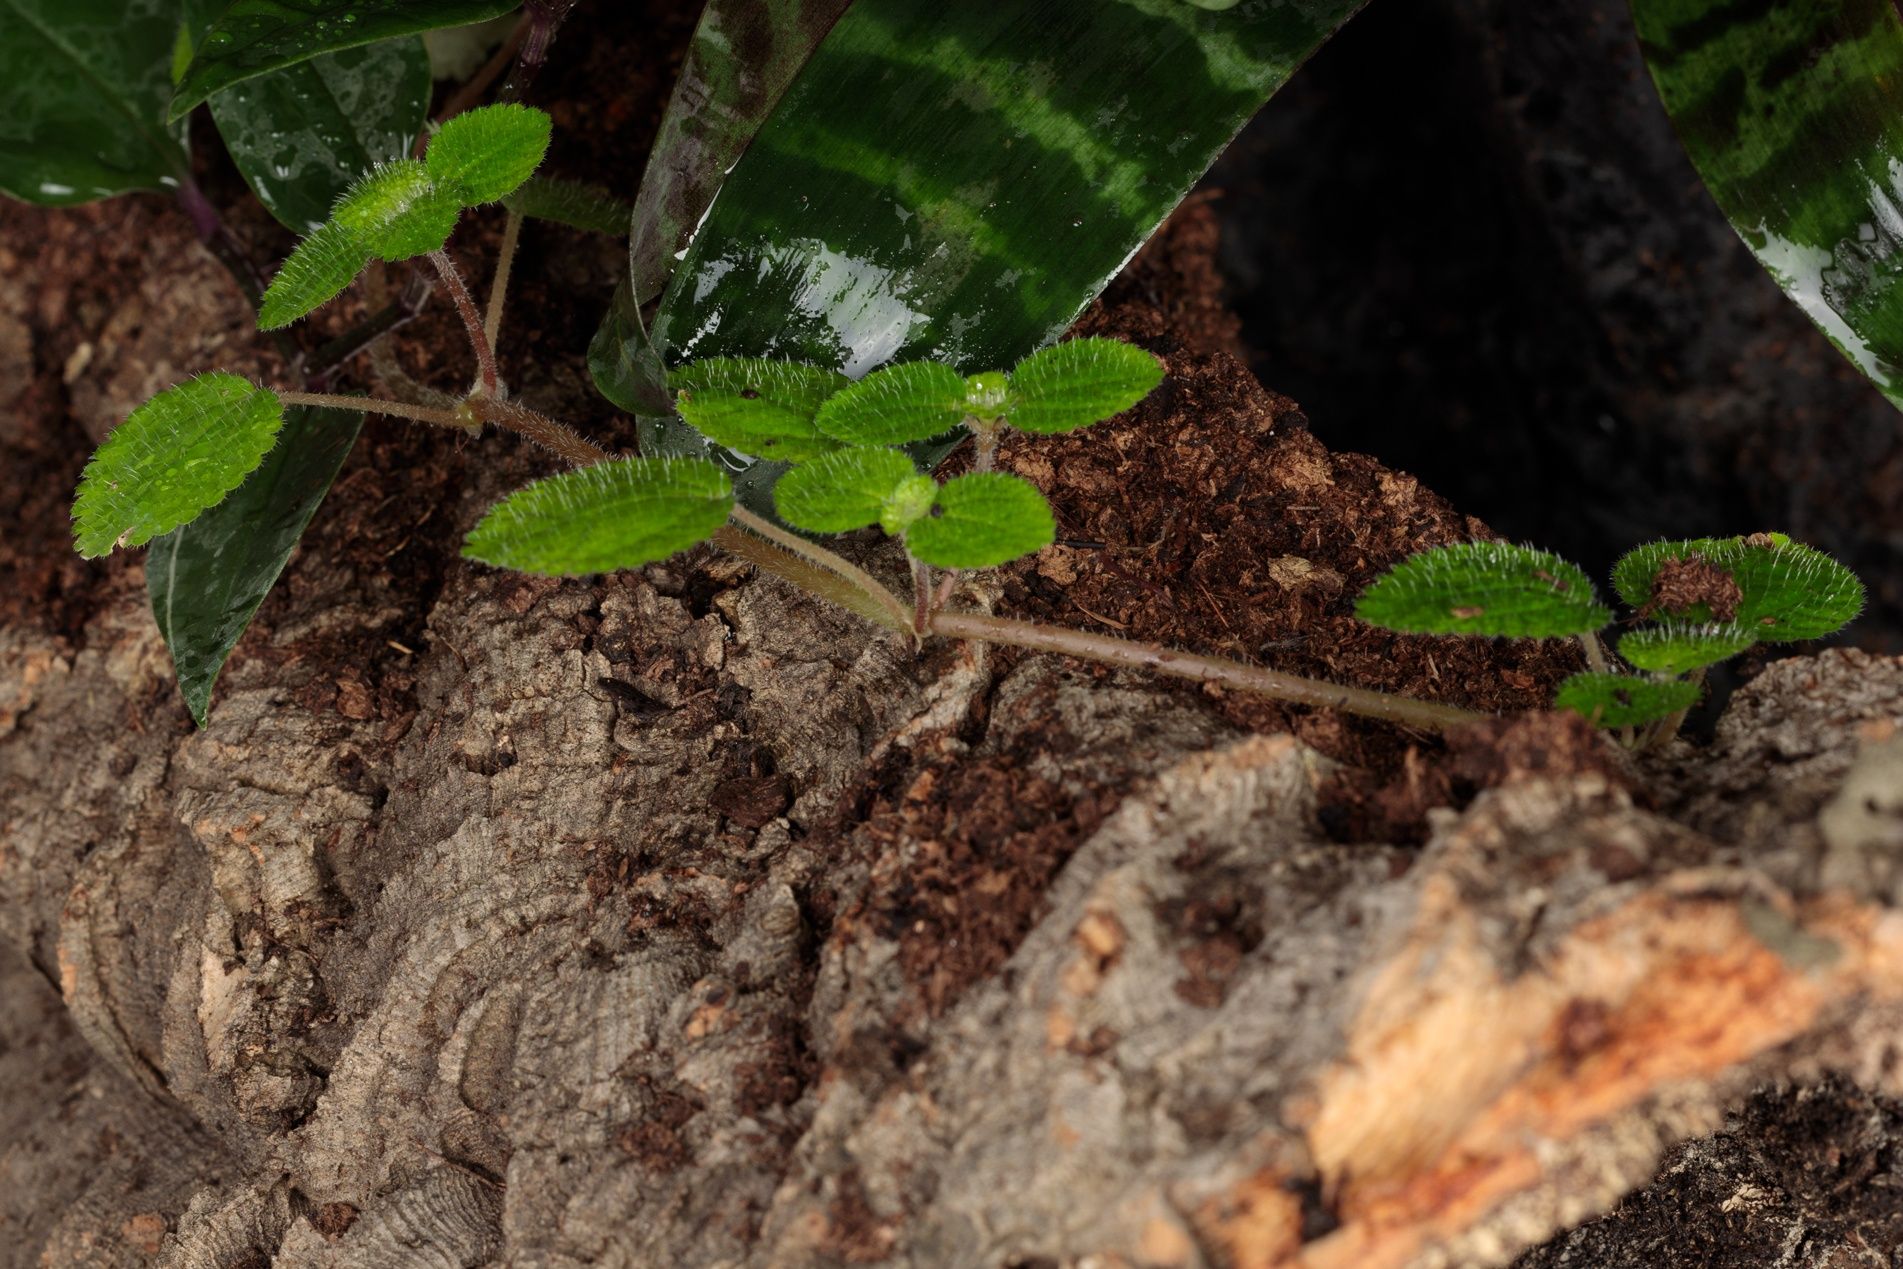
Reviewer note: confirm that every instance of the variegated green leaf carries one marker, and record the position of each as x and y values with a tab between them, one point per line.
1080	382
982	520
1624	700
1792	111
758	407
896	406
846	490
176	455
1484	588
613	515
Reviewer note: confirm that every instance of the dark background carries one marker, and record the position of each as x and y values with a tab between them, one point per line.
1466	239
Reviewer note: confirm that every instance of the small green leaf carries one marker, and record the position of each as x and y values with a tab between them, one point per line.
981	520
988	395
396	211
571	203
1484	588
1623	700
842	491
207	578
758	407
1084	381
908	503
614	515
896	406
252	37
484	155
177	454
1679	647
1784	591
318	271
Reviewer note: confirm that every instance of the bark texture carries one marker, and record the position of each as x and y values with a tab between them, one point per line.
677	919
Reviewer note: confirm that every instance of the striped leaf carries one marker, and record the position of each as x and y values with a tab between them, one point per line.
1792	111
1624	700
1484	588
957	181
614	515
174	456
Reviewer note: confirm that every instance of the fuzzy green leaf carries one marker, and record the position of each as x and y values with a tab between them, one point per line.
1484	588
318	271
843	491
177	454
1080	382
571	203
982	520
1623	700
1679	647
207	578
484	155
1785	591
614	515
758	407
896	406
396	212
252	37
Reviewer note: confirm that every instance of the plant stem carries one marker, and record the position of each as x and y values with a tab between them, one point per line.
1234	674
894	609
374	405
499	289
921	596
879	606
472	320
1666	729
1595	652
545	19
549	433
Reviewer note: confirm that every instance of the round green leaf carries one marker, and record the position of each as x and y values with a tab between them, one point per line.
614	515
896	406
982	520
484	155
1679	648
841	491
1623	700
1783	591
1084	381
1484	588
757	406
176	455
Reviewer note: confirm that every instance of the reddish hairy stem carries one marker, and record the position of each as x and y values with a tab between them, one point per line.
472	319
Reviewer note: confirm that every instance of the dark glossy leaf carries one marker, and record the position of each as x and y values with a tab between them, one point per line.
613	515
743	56
173	457
1484	588
846	490
208	578
956	181
982	520
573	203
301	135
253	37
1792	111
83	87
1624	700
